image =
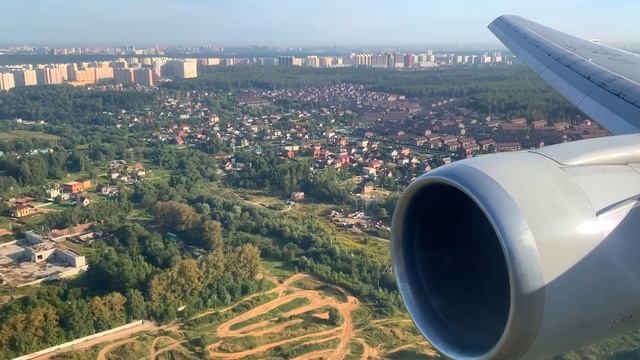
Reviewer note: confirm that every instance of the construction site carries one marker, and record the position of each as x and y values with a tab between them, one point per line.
35	259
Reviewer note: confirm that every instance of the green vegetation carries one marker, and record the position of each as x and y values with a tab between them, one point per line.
277	268
247	305
356	349
133	350
61	104
238	344
272	314
176	355
624	347
390	335
410	354
501	91
89	354
307	284
290	352
27	135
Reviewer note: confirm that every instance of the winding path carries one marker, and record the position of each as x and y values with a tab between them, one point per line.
317	299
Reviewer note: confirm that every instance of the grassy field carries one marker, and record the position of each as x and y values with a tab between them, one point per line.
291	305
27	135
4	222
139	215
276	268
60	207
374	247
134	350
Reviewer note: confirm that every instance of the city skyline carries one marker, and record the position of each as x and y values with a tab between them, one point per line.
328	23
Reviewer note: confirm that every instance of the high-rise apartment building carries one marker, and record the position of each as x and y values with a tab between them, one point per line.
25	77
50	75
409	60
7	81
103	73
210	61
285	60
361	60
398	61
83	76
70	69
123	76
312	61
157	67
379	61
185	69
326	62
143	76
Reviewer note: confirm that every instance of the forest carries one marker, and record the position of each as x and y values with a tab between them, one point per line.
64	104
501	91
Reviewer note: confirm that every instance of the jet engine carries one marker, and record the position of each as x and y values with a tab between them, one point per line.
523	255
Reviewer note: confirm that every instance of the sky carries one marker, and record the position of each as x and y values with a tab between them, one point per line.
302	22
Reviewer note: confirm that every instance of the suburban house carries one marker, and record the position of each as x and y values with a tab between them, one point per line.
22	210
83	199
297	196
53	192
106	189
76	186
62	234
510	146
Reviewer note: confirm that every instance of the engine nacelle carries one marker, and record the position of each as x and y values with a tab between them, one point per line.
523	255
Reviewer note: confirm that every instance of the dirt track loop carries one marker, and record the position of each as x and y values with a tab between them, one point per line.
286	292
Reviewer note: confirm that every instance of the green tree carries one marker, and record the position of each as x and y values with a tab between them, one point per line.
335	318
175	215
108	311
211	235
244	262
136	306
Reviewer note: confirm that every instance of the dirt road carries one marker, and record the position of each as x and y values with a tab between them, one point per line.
286	293
264	330
146	326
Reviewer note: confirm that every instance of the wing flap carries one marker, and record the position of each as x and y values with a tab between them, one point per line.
602	81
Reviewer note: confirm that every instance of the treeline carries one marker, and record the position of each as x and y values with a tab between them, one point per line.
62	104
107	214
35	169
60	313
268	171
133	274
262	77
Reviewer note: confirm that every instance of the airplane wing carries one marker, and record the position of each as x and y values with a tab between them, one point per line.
602	81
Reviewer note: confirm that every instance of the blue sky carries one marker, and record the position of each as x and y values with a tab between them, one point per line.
302	22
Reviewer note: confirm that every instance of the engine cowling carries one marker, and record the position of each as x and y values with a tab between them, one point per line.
523	255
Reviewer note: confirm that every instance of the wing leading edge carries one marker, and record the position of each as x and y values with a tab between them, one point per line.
602	81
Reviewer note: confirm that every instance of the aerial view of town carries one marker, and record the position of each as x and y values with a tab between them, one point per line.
188	202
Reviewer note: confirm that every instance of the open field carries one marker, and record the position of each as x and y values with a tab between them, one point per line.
374	246
299	318
30	135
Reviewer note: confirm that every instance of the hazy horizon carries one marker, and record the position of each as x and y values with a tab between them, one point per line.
403	23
